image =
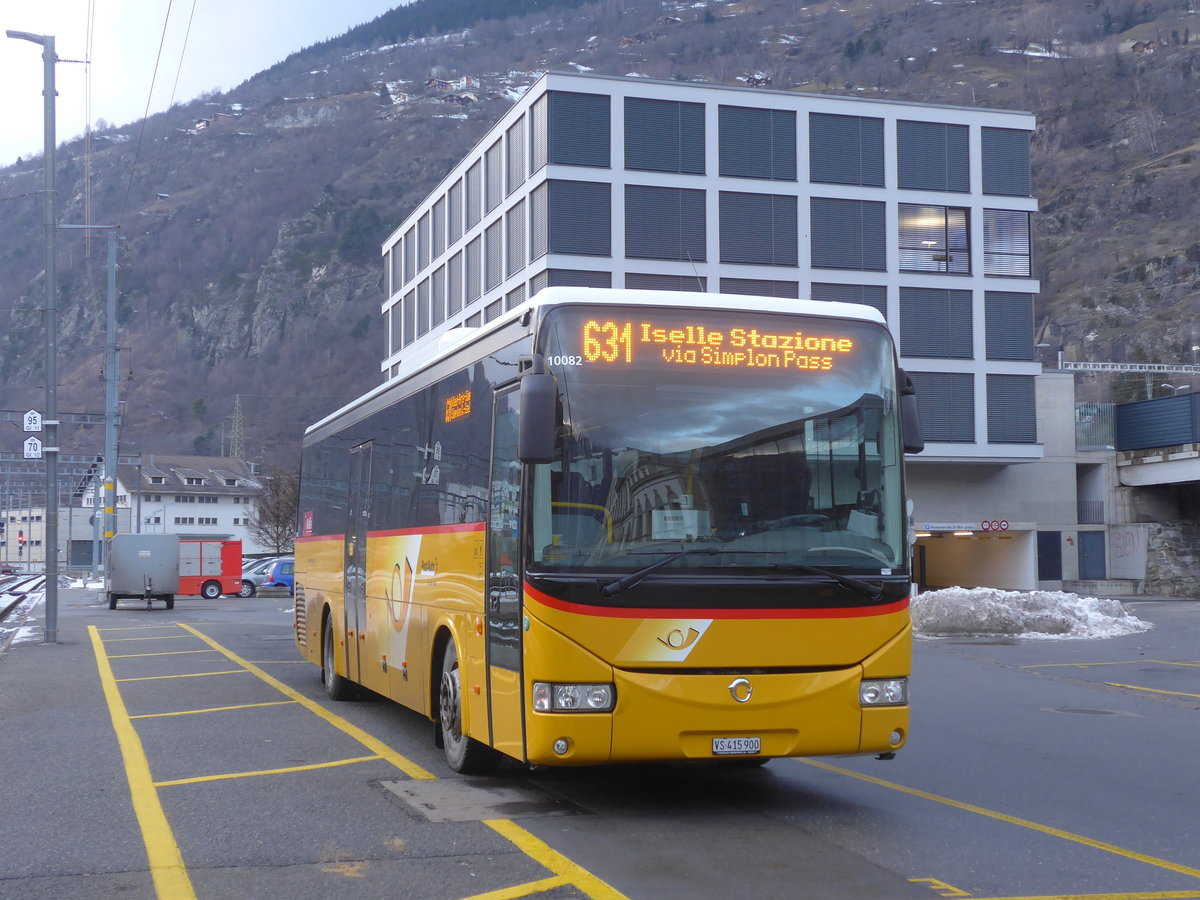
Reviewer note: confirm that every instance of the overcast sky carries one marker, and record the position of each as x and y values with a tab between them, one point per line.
228	41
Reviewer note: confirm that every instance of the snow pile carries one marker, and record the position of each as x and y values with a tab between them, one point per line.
1047	615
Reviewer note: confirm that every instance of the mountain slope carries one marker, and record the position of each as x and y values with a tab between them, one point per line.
252	220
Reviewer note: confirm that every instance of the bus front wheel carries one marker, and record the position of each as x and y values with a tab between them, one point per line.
210	590
463	753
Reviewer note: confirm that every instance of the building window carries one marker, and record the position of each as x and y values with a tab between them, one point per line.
1006	169
454	212
761	287
758	229
396	333
515	171
935	323
158	479
664	136
494	253
206	520
1009	325
662	282
848	234
409	312
437	229
472	271
664	223
454	284
493	176
185	520
1006	243
935	239
437	297
474	194
946	401
757	143
537	134
576	278
872	295
410	254
515	233
184	498
579	129
580	218
1011	411
931	156
422	242
193	481
845	150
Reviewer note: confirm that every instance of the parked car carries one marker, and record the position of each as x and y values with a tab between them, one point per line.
253	573
281	574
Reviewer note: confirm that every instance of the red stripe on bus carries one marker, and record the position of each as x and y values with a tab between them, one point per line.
824	612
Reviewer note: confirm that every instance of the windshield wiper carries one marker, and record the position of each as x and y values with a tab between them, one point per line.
612	588
855	584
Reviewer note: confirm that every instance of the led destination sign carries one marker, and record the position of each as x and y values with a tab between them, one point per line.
629	342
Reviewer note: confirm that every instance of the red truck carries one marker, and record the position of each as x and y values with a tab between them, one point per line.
210	568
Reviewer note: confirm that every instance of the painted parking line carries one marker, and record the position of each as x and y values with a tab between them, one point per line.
1104	846
170	876
1119	662
1134	687
169	873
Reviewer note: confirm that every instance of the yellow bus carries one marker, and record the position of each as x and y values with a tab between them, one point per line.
623	526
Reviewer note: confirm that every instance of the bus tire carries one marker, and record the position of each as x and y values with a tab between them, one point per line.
112	601
170	598
336	687
464	754
210	590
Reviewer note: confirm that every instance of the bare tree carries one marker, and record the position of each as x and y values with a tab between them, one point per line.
273	522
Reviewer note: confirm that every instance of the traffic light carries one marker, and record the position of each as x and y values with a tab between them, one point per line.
20	542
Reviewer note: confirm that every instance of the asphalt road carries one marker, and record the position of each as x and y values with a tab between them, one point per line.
190	753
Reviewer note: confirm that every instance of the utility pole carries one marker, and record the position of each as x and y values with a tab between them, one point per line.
50	315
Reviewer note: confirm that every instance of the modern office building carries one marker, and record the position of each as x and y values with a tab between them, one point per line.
920	211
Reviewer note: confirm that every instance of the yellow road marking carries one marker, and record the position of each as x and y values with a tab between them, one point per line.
157	637
306	768
188	675
409	768
522	890
212	709
940	887
1123	662
538	850
1138	895
531	846
1134	687
1015	820
170	876
164	653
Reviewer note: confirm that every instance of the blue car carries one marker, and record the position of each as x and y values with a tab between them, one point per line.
282	574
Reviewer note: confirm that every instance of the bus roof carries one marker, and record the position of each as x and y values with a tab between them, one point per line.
436	346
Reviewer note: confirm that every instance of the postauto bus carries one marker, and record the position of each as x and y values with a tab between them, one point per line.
618	526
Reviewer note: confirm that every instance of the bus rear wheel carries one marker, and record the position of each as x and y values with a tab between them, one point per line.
210	590
336	687
463	753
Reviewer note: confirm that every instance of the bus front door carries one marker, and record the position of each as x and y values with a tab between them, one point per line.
503	587
358	510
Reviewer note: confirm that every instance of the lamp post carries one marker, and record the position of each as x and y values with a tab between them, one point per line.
50	315
1176	388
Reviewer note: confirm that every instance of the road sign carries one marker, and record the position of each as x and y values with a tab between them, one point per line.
32	421
33	448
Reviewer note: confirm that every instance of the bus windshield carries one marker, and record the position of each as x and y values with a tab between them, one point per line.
756	440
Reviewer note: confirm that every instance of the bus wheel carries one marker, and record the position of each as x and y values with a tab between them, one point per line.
336	687
210	590
463	753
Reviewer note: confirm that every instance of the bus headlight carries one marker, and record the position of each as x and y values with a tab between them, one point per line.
552	697
883	692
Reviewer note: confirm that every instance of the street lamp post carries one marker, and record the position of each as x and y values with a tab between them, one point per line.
50	315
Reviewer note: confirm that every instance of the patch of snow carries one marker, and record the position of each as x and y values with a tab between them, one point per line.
1037	615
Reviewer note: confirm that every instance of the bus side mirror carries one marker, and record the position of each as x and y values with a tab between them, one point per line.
910	415
539	412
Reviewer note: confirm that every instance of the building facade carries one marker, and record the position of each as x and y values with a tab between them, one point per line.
920	211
